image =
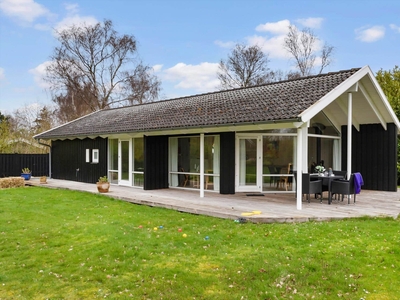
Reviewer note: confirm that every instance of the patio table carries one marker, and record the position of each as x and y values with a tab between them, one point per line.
327	181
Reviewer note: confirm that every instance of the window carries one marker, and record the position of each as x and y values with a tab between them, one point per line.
95	156
138	162
113	160
185	162
88	155
278	160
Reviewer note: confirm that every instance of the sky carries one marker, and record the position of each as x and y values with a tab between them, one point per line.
184	40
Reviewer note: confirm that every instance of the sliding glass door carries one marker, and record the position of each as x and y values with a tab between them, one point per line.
124	162
248	163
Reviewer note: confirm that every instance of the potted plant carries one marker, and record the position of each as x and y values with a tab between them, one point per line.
320	169
26	173
103	185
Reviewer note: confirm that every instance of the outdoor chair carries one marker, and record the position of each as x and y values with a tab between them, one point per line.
185	179
283	180
309	186
340	173
344	187
272	170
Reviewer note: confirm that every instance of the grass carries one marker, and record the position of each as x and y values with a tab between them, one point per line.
59	244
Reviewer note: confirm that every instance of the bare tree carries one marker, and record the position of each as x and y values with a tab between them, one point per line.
24	124
246	66
302	46
140	86
94	67
73	104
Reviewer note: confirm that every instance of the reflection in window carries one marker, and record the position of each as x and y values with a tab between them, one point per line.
113	160
185	162
323	151
278	159
138	162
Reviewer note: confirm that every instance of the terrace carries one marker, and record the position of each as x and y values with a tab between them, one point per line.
269	208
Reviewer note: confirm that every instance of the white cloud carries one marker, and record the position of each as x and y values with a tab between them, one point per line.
224	44
75	20
72	8
2	75
157	68
371	34
272	46
395	27
280	27
26	11
38	74
310	22
202	77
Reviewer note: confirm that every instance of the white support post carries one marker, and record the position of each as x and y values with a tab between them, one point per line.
299	168
201	165
349	131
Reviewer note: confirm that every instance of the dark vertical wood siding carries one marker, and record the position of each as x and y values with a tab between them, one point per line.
68	156
227	163
155	162
12	164
374	155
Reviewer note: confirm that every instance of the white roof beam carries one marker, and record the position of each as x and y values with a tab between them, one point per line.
373	106
343	107
333	120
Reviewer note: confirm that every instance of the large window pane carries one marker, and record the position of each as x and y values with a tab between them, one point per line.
138	162
124	160
113	161
278	159
185	162
113	154
248	162
320	152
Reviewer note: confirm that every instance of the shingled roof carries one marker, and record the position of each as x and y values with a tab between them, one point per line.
278	101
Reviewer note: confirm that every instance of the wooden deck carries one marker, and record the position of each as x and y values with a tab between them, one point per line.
269	208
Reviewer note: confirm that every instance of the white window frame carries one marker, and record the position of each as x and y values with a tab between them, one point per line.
95	156
88	155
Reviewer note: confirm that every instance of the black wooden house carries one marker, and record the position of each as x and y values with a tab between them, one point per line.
239	140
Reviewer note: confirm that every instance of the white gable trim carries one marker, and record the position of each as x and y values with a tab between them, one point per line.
309	113
348	86
373	106
383	97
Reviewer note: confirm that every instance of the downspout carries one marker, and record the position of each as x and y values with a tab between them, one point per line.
43	144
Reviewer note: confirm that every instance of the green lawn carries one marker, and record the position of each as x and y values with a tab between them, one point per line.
58	244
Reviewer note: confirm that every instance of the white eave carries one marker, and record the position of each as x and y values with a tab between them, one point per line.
370	104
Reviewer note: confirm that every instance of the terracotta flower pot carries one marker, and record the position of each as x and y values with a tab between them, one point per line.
103	187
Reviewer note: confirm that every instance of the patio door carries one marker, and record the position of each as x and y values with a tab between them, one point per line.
124	162
248	164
